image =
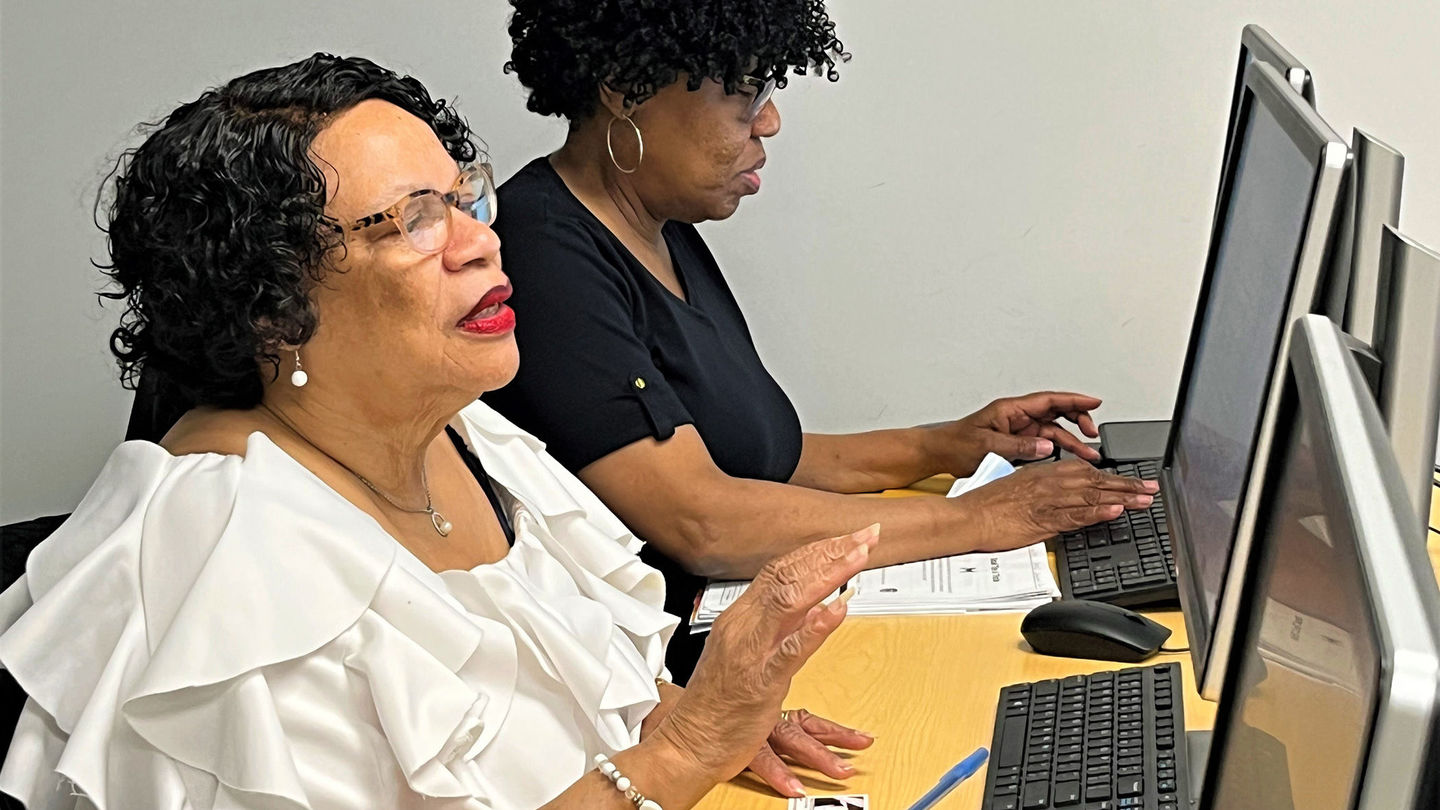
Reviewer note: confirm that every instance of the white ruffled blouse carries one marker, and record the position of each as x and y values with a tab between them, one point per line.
212	631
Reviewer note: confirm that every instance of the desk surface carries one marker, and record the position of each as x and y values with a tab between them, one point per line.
926	686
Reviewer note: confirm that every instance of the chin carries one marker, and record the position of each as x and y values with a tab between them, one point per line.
726	209
501	367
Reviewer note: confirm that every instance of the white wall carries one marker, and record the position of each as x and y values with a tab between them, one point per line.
997	196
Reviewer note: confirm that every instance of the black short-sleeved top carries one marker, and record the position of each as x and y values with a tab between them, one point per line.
609	356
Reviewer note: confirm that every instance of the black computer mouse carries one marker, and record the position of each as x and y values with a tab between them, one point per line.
1075	628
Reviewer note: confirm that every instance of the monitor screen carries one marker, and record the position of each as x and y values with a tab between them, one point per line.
1255	262
1304	696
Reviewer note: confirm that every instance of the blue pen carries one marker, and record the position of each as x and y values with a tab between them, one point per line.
962	771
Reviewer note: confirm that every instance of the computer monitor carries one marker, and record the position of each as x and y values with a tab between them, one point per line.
1384	289
1331	695
1266	259
1407	341
1256	44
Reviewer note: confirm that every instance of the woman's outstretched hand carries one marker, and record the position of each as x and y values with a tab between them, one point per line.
731	708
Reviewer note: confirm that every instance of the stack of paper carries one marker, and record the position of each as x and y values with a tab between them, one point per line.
965	583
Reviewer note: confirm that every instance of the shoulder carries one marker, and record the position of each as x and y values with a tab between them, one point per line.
212	430
538	214
175	581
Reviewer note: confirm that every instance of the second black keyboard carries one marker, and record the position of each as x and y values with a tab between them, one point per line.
1108	741
1127	561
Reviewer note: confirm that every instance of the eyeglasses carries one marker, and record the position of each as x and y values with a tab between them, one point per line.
764	89
424	216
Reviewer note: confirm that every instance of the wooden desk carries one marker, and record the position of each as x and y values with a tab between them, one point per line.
927	686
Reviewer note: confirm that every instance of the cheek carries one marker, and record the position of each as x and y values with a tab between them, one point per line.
377	307
724	155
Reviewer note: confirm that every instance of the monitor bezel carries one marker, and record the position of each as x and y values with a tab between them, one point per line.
1323	386
1210	643
1257	43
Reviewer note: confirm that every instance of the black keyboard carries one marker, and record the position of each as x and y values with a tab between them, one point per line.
1108	741
1126	562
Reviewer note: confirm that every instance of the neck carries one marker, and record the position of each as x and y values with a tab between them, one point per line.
584	164
386	445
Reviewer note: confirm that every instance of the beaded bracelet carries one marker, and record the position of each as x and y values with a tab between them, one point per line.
622	784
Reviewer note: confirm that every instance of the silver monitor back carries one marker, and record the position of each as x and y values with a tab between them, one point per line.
1331	697
1357	286
1216	444
1407	327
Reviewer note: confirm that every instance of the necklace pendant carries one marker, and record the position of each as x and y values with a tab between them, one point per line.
442	526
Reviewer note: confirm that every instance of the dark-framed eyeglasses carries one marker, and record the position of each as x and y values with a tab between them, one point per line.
423	217
763	89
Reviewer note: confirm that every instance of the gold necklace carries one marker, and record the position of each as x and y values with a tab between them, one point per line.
442	526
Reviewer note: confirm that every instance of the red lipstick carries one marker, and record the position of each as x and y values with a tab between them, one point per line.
490	316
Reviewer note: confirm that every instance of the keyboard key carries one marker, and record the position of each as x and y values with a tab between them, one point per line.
1036	797
1067	793
1006	803
1129	786
1012	742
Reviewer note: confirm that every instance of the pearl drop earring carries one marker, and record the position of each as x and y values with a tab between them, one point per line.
298	377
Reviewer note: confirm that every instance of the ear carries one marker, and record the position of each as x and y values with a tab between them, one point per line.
613	101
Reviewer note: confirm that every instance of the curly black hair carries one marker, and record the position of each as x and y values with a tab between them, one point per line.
564	50
217	230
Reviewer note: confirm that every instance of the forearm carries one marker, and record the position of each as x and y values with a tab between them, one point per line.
868	462
734	525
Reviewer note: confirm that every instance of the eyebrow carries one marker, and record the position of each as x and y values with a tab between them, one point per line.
399	191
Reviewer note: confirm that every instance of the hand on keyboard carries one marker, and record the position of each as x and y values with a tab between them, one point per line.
1019	428
1040	501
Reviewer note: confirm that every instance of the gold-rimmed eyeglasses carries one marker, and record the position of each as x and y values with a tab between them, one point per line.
423	216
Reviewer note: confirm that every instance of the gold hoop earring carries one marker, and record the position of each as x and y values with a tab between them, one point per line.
639	140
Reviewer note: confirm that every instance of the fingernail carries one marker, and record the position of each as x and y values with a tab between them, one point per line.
847	767
1044	447
859	553
796	788
1152	486
1144	500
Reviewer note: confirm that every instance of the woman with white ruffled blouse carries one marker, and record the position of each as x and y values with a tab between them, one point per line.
342	582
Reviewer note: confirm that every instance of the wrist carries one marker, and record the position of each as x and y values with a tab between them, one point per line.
667	771
935	447
967	521
950	447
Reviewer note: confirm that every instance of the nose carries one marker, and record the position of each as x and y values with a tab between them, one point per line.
767	123
470	241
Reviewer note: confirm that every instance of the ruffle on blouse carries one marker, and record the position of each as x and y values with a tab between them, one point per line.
158	605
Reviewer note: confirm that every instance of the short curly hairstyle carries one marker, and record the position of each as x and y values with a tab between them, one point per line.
564	50
217	230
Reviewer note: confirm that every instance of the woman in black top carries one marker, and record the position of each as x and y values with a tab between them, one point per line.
637	367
